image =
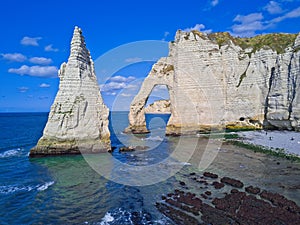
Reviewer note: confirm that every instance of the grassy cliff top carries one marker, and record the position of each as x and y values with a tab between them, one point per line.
276	41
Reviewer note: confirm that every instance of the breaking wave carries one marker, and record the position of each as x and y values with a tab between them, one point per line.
125	217
11	153
107	219
9	189
45	186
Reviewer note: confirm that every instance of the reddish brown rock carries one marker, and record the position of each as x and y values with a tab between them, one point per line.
210	175
177	216
252	190
208	193
236	207
281	201
232	182
218	185
182	183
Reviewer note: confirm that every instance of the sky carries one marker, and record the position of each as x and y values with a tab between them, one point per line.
35	40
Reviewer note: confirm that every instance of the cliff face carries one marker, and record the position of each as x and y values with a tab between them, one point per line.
78	120
218	81
159	107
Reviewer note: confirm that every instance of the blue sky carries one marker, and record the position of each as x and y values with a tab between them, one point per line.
35	38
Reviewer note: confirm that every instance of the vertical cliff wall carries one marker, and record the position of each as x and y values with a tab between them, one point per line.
217	81
78	120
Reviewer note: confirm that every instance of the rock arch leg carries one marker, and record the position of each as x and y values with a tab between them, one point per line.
137	122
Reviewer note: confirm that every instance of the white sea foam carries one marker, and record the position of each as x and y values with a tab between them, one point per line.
45	186
107	219
11	153
12	189
153	138
178	163
9	189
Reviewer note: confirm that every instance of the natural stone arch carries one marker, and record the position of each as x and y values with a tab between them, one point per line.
158	101
162	73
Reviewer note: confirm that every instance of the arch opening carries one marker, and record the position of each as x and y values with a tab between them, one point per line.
157	109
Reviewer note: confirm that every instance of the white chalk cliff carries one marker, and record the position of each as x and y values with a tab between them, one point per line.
159	107
78	120
217	81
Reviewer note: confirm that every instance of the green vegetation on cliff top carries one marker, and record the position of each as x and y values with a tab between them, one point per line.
277	41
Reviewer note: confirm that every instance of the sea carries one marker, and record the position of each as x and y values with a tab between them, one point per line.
117	188
66	189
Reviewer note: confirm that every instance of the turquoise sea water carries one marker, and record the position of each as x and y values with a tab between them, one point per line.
66	190
96	189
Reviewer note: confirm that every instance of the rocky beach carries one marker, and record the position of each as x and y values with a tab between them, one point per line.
286	141
239	187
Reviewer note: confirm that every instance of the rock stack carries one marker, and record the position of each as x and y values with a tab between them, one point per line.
78	120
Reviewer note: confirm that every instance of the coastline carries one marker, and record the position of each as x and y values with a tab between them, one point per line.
274	142
271	142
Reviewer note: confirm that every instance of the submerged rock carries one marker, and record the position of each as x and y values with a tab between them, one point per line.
78	119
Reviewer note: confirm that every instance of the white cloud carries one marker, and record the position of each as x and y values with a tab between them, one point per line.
273	7
126	95
133	60
199	27
14	57
214	3
44	85
23	89
112	86
40	60
166	34
36	71
122	79
248	18
133	86
49	48
248	24
118	83
111	93
160	91
292	14
43	97
33	41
